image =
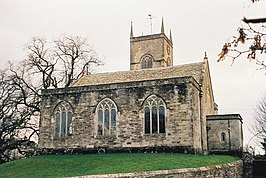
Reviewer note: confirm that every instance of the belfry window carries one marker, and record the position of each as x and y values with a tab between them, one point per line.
146	61
154	115
106	118
63	120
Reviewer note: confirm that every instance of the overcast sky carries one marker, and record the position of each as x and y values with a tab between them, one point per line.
197	26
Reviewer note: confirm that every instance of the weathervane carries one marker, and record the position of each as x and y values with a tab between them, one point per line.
150	17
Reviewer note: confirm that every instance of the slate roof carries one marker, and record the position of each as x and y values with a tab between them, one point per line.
195	70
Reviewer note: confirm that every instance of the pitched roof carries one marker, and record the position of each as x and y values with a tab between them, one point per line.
194	70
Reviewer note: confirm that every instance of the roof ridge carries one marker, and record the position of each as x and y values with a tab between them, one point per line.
193	69
149	69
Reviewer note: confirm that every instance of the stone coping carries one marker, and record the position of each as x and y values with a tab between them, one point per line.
185	172
224	117
115	86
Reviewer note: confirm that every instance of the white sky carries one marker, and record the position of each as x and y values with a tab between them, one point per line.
197	26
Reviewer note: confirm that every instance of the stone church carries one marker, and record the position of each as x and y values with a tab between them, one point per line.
153	107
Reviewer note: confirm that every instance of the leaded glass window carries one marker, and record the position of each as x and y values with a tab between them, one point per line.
63	120
154	115
106	118
147	120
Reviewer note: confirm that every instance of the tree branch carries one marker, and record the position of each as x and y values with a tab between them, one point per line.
258	20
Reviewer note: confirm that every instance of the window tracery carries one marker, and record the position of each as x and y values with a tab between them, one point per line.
106	118
63	120
146	61
154	115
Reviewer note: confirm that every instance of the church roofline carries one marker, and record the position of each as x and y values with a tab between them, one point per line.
168	67
194	70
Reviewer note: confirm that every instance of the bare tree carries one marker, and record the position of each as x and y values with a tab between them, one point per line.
260	122
60	62
250	40
41	61
75	55
46	66
18	105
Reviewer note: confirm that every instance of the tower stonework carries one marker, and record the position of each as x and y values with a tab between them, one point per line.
150	51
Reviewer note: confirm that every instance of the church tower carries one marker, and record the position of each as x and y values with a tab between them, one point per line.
151	51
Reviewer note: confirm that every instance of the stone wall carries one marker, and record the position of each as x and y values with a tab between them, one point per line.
181	96
231	126
207	100
231	170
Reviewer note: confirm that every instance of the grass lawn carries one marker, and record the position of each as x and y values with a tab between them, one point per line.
77	165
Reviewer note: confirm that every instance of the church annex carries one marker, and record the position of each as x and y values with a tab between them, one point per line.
154	106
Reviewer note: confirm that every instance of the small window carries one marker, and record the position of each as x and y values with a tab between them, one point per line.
223	137
63	120
106	118
146	61
154	115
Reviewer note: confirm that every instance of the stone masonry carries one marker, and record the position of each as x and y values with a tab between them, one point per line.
231	126
70	117
181	113
230	170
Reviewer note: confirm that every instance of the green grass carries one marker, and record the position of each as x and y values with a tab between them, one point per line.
77	165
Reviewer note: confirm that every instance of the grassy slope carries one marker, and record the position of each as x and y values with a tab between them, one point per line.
76	165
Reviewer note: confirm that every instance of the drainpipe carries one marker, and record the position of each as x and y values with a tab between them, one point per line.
201	121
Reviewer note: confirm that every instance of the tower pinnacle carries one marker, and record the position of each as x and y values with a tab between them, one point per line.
131	30
162	26
170	36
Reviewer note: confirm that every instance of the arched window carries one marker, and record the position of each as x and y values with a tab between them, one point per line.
146	61
223	137
106	118
154	115
63	120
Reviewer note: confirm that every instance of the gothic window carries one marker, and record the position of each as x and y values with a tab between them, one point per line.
146	61
106	118
63	120
223	137
154	115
